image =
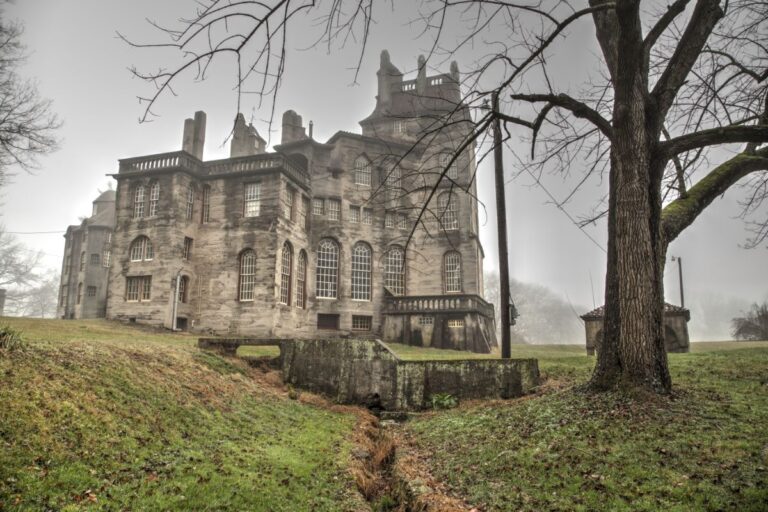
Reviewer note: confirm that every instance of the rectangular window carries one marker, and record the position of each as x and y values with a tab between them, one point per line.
154	197
95	259
290	203
138	288
82	261
91	291
402	221
106	256
325	321
367	216
456	323
205	215
67	263
190	201
334	209
426	320
354	213
361	323
317	206
252	195
399	126
187	253
138	202
389	220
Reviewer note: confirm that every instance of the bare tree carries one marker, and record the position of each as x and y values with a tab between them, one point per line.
27	124
754	325
672	84
18	266
38	300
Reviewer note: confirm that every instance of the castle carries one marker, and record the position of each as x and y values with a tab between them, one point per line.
314	239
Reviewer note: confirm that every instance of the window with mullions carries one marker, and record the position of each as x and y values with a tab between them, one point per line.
301	281
361	271
362	171
394	183
448	211
367	216
187	251
327	270
286	269
354	213
141	249
394	270
190	201
247	281
205	214
154	197
334	209
138	288
318	206
252	197
138	202
452	272
453	170
183	289
361	323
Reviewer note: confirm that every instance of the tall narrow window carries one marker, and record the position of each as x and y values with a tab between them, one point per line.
138	202
82	261
154	197
141	249
247	287
183	289
354	213
146	288
327	269
187	251
317	206
452	272
190	201
389	220
205	215
402	221
286	269
252	199
453	170
106	256
301	281
367	216
334	209
394	183
361	272
362	171
303	210
448	210
394	271
79	292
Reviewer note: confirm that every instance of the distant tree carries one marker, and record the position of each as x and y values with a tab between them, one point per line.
754	325
37	301
27	124
670	82
18	265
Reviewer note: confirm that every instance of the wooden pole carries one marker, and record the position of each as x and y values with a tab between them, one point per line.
501	223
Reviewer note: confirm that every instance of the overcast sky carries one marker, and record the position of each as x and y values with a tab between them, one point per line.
81	65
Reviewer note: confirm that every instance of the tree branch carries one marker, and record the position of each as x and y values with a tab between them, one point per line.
681	213
579	109
725	135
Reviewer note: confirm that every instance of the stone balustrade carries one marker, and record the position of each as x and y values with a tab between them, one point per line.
438	304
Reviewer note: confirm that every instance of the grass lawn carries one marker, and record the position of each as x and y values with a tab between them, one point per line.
704	448
100	416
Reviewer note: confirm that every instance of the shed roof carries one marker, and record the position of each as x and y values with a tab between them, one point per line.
669	309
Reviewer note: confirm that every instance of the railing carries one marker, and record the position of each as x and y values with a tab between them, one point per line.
183	160
438	304
176	159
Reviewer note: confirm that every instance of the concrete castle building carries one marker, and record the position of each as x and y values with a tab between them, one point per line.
316	236
87	258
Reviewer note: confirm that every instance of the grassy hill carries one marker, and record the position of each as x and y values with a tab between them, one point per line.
101	416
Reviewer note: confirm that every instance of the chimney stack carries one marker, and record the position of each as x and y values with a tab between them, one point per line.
194	135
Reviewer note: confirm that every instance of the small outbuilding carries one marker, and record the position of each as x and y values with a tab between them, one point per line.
675	328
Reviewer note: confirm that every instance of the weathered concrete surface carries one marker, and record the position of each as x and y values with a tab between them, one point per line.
367	372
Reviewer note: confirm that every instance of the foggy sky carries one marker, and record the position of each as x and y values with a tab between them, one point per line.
81	65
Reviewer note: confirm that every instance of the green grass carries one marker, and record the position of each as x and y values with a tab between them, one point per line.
704	448
101	416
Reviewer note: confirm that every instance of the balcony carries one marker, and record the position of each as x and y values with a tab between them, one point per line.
430	304
163	161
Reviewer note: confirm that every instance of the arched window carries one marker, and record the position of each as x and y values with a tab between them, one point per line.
448	210
138	202
141	249
247	284
154	197
453	170
183	289
452	272
362	171
394	271
301	281
361	271
190	201
286	270
327	269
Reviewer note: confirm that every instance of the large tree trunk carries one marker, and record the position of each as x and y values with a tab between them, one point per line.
632	350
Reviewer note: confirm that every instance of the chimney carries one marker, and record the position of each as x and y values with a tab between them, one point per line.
194	135
245	139
293	130
311	127
389	78
421	77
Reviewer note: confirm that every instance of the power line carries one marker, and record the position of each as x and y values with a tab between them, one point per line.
34	232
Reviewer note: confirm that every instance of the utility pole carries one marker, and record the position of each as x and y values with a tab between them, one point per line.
680	276
501	223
